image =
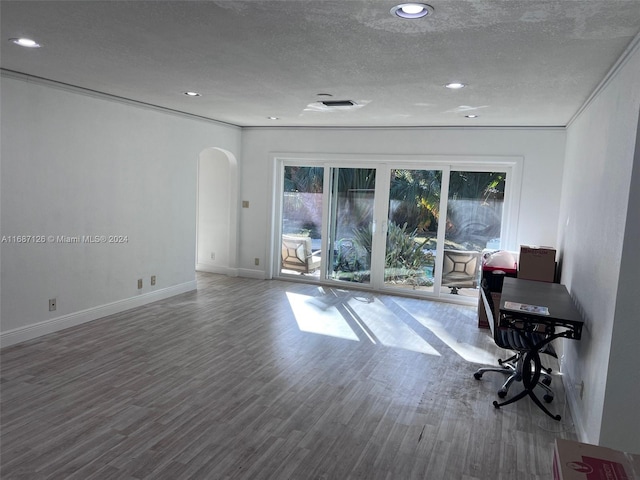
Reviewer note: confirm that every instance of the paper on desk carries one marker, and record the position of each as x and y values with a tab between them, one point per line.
527	308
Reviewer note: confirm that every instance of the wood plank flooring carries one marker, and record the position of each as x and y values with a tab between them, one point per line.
252	379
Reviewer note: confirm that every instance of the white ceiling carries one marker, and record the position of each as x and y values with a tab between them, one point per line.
526	62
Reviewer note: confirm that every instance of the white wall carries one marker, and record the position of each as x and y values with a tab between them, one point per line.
595	229
542	151
74	164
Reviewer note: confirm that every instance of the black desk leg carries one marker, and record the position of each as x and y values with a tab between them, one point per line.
529	382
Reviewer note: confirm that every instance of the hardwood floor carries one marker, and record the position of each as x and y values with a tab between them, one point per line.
252	379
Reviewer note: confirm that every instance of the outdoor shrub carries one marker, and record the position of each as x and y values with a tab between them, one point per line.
403	251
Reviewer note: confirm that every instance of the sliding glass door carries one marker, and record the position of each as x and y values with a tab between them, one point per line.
384	227
301	214
473	223
351	220
412	229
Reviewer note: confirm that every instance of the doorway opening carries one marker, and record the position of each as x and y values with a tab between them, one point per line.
216	212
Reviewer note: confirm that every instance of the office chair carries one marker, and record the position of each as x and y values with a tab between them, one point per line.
510	339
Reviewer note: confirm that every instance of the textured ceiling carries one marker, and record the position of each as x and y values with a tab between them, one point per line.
526	63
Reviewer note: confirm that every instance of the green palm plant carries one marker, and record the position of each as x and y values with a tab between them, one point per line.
404	251
418	192
303	179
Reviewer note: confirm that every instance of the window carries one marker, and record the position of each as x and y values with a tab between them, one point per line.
418	225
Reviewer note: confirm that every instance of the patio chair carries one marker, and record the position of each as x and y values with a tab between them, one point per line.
460	269
297	254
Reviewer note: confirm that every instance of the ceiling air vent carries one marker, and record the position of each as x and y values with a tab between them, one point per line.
338	103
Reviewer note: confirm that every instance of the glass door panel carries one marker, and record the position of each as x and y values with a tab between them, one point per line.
301	220
351	214
412	229
473	223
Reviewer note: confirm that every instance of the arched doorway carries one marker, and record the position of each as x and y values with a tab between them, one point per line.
216	212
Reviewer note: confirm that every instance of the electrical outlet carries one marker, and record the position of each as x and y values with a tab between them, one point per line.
52	304
139	283
256	261
245	204
153	279
213	255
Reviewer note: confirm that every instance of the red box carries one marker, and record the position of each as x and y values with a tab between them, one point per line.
582	461
537	263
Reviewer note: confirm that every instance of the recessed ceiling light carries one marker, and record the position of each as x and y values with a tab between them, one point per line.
412	10
192	94
455	85
25	42
273	118
471	116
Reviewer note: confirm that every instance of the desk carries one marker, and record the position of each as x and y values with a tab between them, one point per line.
563	320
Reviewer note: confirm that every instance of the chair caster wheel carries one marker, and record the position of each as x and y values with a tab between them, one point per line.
477	376
502	393
548	398
546	381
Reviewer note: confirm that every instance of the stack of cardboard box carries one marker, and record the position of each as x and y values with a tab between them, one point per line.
495	266
537	263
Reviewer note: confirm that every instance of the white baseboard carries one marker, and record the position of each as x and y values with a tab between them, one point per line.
572	400
35	330
206	267
248	273
231	272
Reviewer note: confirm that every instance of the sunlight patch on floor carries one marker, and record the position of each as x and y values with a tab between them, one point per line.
323	321
355	316
470	353
388	329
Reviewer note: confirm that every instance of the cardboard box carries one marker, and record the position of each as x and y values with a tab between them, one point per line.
581	461
537	263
